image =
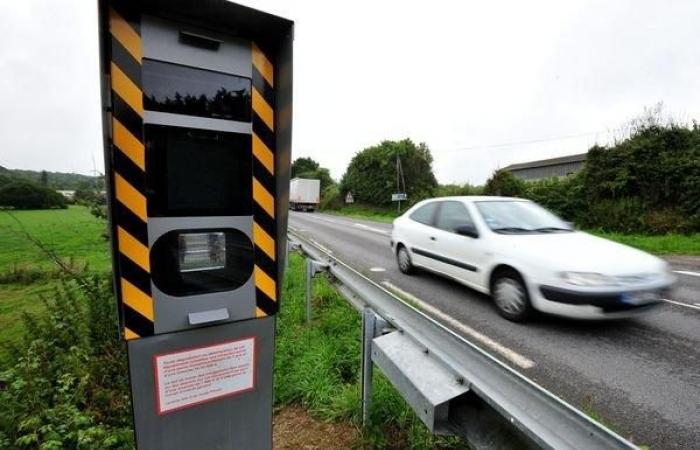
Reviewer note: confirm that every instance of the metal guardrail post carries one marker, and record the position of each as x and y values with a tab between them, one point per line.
312	268
372	326
309	287
369	320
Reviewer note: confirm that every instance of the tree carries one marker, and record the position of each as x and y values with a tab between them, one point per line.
27	195
372	173
303	165
44	178
504	183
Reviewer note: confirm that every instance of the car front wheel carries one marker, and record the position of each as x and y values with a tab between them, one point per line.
511	296
403	259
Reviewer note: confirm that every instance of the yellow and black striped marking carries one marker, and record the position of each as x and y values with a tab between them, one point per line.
264	223
129	175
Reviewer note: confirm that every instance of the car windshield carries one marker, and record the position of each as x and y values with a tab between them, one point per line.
512	216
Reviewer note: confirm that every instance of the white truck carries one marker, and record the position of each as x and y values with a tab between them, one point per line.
304	194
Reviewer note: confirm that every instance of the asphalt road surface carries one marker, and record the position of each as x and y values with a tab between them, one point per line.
641	376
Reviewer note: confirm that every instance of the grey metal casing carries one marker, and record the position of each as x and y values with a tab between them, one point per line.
161	42
242	421
234	56
172	313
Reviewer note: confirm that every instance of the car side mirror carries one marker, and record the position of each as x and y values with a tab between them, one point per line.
467	230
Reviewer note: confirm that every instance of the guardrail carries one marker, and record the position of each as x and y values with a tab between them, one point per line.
454	386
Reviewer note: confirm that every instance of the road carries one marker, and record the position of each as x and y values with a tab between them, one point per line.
641	375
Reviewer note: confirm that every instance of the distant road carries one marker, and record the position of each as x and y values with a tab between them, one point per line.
642	375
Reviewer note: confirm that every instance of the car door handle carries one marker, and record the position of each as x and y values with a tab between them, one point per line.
433	238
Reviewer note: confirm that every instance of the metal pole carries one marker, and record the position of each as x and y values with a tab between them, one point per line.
309	281
369	323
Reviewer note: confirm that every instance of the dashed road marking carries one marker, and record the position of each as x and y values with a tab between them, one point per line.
377	269
674	302
372	229
688	272
511	355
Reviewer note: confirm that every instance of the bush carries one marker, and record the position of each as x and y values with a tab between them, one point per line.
625	215
456	190
331	198
505	184
562	196
647	183
67	385
27	195
371	175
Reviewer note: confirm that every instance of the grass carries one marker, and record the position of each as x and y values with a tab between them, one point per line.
26	273
70	233
386	215
668	244
15	300
318	367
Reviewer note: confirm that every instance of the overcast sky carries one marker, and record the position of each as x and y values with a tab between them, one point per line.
477	81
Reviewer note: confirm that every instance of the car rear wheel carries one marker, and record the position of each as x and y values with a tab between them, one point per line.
511	296
403	259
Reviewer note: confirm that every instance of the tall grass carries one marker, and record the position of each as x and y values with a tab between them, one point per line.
318	366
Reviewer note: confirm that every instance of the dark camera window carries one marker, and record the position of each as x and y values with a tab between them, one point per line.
198	172
192	262
184	90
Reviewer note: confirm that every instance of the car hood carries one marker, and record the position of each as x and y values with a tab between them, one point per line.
579	251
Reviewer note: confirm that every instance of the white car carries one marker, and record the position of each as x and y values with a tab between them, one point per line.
527	258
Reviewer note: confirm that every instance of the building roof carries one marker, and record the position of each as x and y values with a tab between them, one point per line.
580	157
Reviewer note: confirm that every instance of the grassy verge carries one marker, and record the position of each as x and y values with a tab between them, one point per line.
668	244
386	215
70	233
318	367
26	274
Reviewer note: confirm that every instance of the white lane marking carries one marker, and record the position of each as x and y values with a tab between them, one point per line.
325	249
682	304
697	304
325	219
372	229
511	355
688	272
377	269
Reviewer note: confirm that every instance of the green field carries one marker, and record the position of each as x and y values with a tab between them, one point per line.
26	273
70	233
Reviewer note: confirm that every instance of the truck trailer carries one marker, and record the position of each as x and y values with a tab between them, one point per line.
304	194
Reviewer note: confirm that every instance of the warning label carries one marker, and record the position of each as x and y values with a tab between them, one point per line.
198	375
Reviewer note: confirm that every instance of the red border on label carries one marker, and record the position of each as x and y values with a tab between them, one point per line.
231	394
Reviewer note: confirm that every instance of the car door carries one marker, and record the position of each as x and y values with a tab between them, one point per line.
456	254
418	232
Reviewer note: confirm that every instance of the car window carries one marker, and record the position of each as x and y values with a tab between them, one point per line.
519	216
453	215
424	214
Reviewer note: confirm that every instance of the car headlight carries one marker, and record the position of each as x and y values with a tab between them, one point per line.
586	279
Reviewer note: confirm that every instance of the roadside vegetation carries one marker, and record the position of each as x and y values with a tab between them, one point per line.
318	366
642	190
